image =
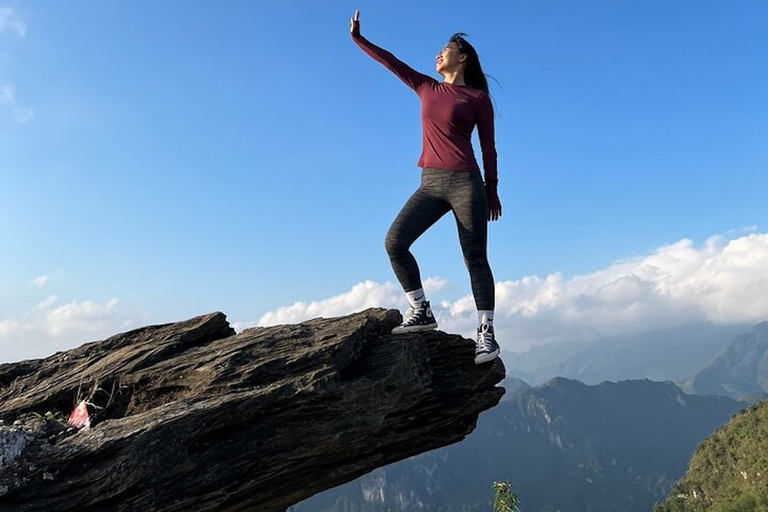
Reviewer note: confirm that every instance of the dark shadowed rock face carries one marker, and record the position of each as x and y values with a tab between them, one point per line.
189	416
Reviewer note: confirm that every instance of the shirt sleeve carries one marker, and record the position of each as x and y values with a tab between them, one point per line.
411	77
485	132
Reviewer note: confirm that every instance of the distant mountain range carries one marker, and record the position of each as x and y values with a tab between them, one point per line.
703	359
741	372
668	354
564	445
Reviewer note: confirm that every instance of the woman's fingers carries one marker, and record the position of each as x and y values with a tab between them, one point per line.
355	21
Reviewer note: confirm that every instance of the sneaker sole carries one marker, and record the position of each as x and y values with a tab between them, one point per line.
487	358
415	328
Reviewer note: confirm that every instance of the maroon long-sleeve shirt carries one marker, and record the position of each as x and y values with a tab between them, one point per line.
449	113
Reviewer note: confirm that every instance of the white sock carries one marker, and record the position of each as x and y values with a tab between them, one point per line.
416	297
485	317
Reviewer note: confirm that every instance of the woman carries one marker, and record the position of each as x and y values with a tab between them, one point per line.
450	179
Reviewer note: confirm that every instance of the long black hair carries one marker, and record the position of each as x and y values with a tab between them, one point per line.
473	73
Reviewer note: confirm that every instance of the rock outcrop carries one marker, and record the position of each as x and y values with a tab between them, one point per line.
191	416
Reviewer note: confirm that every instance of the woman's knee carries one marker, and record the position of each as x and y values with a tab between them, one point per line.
394	245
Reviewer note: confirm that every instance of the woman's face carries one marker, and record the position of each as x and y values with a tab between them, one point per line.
449	59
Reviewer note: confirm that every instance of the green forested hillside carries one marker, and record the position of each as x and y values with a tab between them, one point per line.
729	470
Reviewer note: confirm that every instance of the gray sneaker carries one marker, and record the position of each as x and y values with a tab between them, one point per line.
486	348
419	319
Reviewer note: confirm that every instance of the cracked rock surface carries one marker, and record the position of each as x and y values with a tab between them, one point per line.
190	416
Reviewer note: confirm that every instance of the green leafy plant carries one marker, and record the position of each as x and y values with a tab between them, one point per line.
504	500
54	415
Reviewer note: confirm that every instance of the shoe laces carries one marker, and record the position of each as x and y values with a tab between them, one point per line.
414	314
485	337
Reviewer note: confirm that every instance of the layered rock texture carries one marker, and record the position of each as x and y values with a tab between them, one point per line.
191	416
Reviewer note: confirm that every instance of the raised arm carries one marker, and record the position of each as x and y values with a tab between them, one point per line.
411	77
487	136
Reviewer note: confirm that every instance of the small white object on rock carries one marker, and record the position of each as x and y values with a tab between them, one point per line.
12	444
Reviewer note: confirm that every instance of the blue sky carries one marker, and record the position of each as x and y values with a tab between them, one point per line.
160	160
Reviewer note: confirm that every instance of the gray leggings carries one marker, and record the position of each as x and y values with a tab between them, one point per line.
442	191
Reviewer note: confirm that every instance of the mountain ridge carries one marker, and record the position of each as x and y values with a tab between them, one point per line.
741	372
614	446
663	354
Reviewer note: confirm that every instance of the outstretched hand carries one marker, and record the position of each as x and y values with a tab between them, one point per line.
354	23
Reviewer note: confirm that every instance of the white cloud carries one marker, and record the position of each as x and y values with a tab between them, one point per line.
47	303
82	317
8	327
363	295
723	282
743	229
46	328
11	22
39	281
8	100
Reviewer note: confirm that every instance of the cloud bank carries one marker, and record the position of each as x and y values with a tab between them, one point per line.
722	282
50	326
367	294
